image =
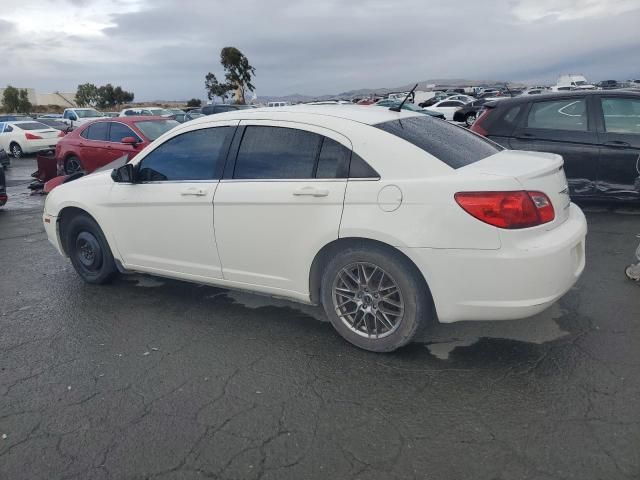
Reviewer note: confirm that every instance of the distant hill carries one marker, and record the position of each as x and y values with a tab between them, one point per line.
365	92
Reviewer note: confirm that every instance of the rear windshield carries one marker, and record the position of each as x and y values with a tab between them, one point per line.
152	129
32	126
452	145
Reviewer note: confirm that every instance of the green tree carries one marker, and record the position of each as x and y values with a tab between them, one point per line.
87	95
194	102
24	105
11	99
238	74
110	96
216	89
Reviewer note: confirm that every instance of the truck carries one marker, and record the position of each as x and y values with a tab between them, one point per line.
573	82
79	116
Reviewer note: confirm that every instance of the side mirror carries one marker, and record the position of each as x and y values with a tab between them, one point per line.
123	174
73	118
130	141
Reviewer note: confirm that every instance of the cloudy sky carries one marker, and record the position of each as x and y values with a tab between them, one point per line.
162	49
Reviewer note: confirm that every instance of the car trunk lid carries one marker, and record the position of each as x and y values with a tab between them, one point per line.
535	171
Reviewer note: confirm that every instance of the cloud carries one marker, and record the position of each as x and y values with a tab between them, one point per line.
163	48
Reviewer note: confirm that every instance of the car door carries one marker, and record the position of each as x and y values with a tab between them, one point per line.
93	146
163	223
619	134
117	132
562	126
279	202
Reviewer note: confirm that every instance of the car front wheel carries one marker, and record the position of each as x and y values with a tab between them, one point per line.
72	165
89	251
470	119
375	298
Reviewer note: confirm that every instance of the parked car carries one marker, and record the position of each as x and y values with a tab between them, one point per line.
111	114
447	107
98	143
146	111
55	123
14	118
374	214
596	132
608	84
468	113
191	114
574	82
27	136
3	184
5	162
439	96
222	108
79	116
462	98
409	106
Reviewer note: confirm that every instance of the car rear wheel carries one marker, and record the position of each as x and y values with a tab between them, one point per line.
72	165
16	150
470	119
375	299
89	251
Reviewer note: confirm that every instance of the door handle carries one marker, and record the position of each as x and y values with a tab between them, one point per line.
311	192
617	144
193	191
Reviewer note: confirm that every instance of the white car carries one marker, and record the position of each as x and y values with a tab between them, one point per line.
390	220
28	136
462	98
447	107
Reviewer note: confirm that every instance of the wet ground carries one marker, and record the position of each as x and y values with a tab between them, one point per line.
150	378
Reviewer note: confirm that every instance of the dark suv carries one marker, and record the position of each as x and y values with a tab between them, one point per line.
596	132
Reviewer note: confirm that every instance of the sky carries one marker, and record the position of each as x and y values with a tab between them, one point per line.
162	49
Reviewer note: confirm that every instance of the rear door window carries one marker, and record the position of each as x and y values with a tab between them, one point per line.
621	115
452	145
119	131
277	153
98	131
567	114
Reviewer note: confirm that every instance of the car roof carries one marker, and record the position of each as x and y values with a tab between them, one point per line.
18	122
324	113
129	119
566	94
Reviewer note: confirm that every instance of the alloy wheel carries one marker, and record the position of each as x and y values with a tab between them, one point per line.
367	300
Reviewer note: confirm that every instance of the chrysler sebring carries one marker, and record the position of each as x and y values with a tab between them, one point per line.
390	220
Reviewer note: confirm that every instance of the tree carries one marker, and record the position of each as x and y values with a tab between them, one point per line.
11	99
194	102
216	89
110	96
24	105
238	75
87	95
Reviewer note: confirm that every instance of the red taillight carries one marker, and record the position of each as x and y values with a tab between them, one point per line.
31	136
477	125
510	210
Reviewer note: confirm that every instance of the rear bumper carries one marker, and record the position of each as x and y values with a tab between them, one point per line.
503	284
34	146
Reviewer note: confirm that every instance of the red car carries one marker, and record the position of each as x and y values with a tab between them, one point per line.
102	141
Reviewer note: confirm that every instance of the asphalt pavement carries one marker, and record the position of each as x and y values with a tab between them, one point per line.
153	378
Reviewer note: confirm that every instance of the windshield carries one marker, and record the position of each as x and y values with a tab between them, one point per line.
32	126
88	113
152	129
580	82
450	144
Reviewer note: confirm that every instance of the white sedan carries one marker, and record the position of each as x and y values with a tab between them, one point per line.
390	220
27	136
462	98
447	107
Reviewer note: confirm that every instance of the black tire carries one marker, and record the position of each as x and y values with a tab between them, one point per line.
72	165
470	119
88	250
16	150
414	295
